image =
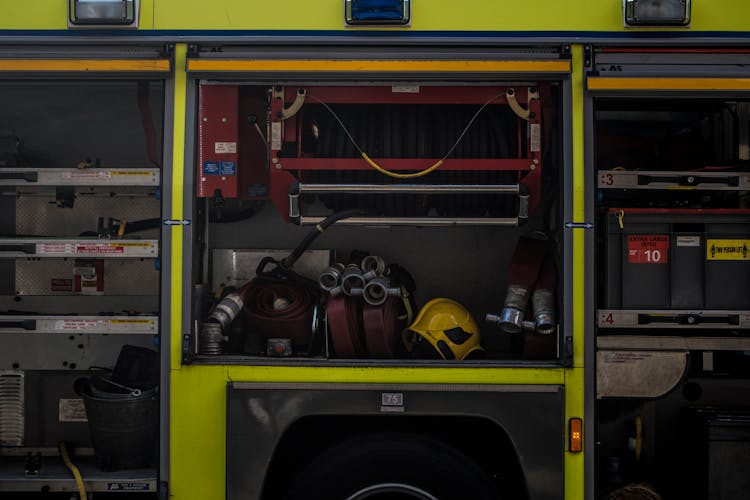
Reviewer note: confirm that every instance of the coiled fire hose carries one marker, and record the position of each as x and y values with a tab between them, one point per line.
274	272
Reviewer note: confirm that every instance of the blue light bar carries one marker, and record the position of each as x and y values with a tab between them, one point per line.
377	12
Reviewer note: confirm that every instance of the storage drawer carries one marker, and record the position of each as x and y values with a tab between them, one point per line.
677	259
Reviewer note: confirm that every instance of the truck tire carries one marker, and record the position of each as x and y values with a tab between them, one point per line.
390	466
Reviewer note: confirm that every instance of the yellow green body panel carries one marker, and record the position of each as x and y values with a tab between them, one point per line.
427	15
197	428
198	409
178	197
575	376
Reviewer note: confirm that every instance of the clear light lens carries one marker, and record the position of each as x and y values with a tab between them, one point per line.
102	11
657	12
377	11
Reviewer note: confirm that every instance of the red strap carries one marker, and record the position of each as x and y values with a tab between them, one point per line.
547	275
147	121
527	259
382	328
344	326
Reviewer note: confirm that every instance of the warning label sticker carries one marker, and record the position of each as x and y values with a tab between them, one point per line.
727	249
143	173
71	410
225	147
219	168
86	174
133	325
127	486
96	249
61	285
535	137
77	324
54	248
648	249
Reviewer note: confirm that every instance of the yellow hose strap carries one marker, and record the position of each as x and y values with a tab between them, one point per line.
74	470
401	176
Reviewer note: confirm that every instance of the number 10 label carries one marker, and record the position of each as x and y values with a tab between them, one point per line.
648	249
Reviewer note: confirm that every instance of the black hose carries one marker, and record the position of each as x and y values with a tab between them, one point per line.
289	260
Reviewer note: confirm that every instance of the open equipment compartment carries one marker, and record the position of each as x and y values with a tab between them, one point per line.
425	187
671	166
80	176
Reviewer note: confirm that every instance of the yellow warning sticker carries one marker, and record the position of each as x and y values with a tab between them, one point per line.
727	249
137	244
131	321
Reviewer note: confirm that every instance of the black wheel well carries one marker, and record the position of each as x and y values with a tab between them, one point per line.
482	439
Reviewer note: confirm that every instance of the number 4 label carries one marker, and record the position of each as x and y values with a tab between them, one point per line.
648	249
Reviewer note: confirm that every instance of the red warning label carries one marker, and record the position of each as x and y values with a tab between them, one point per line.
648	249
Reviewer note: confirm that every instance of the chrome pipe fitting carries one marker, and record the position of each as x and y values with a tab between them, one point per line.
330	279
509	320
512	315
352	279
377	290
227	310
210	338
372	266
543	305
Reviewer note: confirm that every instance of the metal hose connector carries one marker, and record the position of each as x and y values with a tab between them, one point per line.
227	309
210	339
377	290
352	279
543	304
510	319
330	279
372	266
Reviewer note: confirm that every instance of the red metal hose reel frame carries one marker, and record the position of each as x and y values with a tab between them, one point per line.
223	135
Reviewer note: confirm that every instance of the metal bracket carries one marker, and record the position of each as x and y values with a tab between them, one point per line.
522	113
568	351
588	56
579	225
293	108
176	222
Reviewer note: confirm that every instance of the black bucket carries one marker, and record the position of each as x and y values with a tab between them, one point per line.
123	410
123	428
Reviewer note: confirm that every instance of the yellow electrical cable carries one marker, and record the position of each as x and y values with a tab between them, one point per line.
394	174
121	229
74	470
638	437
401	176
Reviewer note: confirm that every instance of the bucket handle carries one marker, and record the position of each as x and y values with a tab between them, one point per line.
133	391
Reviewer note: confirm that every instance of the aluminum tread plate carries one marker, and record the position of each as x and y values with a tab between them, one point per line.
125	325
12	176
673	318
62	248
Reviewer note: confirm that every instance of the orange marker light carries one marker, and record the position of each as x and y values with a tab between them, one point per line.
575	435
